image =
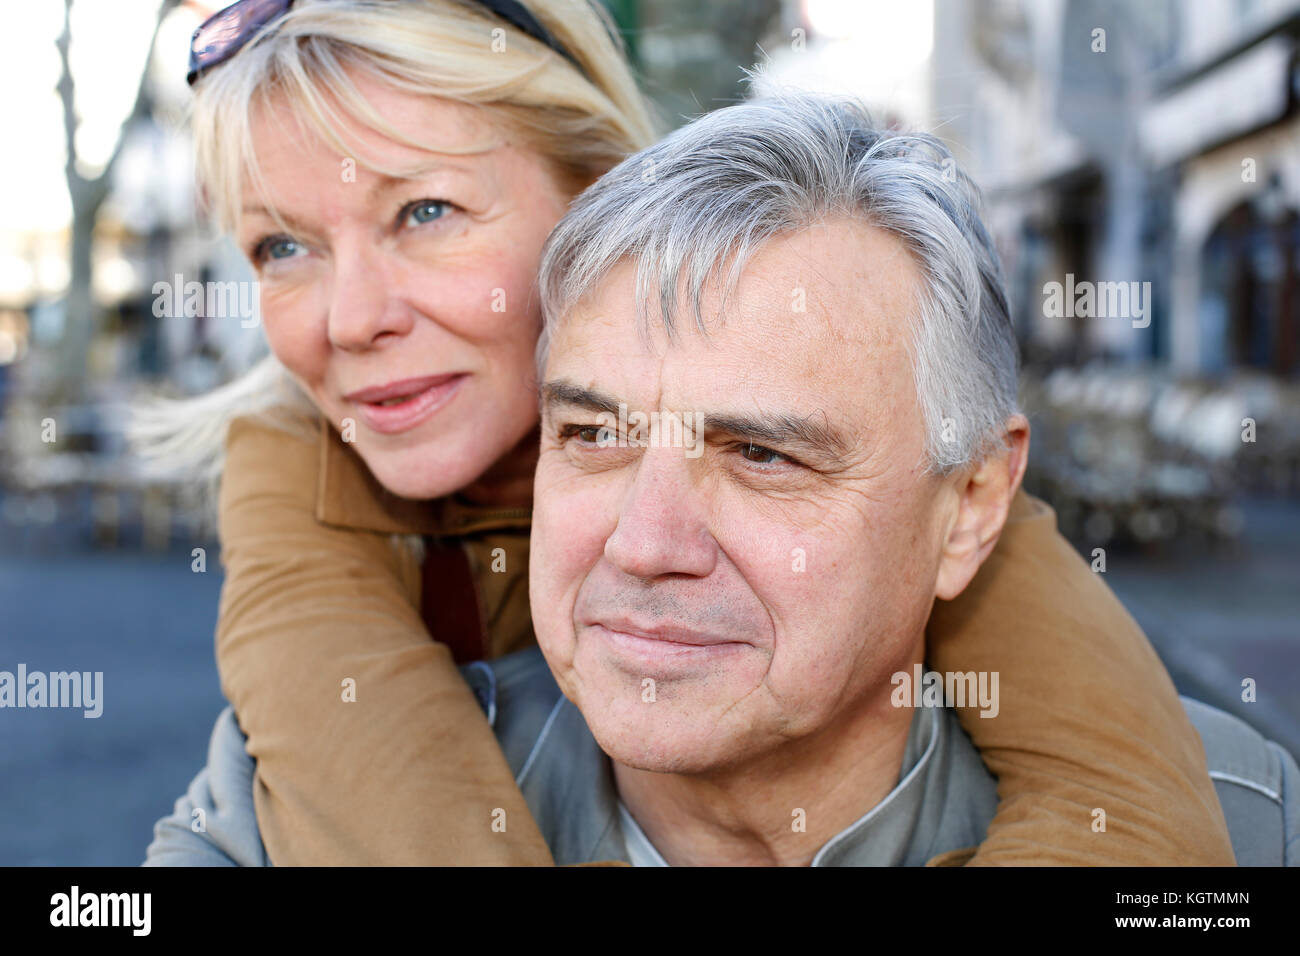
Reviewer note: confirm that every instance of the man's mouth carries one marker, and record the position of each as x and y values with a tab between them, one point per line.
400	406
665	633
665	652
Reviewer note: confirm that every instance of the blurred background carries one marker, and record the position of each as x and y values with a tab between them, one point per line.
1154	145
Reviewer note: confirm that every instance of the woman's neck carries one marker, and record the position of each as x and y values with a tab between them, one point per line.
509	482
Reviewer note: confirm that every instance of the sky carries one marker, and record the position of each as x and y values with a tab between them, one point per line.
878	50
110	39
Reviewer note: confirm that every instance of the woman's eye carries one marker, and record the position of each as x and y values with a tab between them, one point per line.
762	456
276	247
423	210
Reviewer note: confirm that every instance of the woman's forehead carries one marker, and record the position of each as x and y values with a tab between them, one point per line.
397	131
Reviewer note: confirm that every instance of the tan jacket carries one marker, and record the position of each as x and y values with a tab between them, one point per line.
322	600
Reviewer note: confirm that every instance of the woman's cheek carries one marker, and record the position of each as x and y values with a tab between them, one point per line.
298	341
512	314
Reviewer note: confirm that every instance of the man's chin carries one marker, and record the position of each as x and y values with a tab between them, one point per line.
658	761
660	749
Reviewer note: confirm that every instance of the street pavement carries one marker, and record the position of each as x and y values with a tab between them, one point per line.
1219	618
86	791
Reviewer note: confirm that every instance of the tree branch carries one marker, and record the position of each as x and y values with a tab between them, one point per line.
67	88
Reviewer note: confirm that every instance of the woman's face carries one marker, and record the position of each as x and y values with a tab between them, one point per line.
405	306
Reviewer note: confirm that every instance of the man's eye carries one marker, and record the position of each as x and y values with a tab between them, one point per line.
599	436
760	455
423	210
276	247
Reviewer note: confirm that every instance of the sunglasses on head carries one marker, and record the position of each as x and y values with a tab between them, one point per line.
224	33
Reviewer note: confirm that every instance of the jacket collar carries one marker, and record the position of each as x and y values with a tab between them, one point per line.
568	783
942	801
349	496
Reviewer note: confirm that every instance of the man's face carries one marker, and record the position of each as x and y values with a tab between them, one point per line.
703	609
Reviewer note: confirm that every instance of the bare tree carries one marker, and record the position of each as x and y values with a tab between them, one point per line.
87	195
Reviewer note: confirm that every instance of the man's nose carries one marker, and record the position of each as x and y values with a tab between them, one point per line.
661	525
366	303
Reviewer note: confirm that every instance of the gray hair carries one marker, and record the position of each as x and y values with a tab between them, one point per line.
713	191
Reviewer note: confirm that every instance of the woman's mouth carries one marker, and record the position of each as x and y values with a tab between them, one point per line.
400	406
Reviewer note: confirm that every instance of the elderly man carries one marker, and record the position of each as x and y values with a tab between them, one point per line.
778	421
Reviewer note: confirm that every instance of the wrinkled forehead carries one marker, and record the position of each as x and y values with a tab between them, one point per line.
820	319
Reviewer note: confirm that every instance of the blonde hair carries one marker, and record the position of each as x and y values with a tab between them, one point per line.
453	49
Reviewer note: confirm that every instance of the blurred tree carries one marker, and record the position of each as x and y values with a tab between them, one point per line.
87	195
689	54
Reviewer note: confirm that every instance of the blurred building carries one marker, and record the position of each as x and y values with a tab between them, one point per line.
1137	142
1149	152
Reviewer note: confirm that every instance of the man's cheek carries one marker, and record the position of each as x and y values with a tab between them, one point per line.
559	562
793	574
581	512
563	540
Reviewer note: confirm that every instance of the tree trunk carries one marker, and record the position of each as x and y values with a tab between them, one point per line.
81	314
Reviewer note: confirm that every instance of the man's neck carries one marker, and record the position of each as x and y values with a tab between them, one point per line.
778	810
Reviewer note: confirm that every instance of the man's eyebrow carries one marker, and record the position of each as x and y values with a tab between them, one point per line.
566	393
782	431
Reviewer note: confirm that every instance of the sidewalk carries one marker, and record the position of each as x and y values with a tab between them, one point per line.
1218	619
83	791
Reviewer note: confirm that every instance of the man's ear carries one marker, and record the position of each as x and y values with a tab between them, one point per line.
983	495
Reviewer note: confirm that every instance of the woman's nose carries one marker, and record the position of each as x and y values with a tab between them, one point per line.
366	305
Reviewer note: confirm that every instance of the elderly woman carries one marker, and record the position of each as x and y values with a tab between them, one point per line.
392	170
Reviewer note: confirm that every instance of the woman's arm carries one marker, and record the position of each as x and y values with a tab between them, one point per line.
1088	719
306	607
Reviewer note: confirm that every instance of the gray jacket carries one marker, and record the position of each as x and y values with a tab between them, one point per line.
943	801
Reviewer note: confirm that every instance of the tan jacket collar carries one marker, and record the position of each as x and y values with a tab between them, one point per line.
349	496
